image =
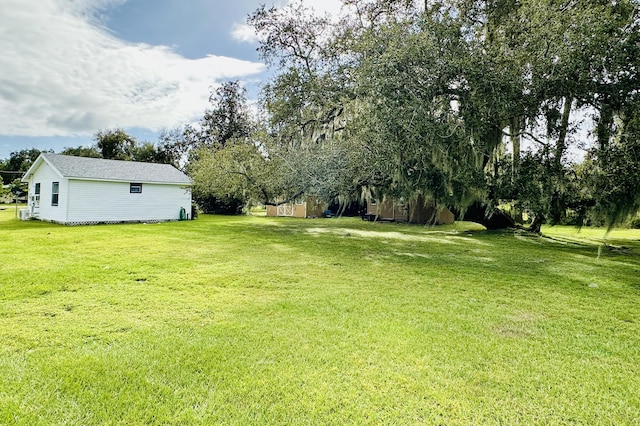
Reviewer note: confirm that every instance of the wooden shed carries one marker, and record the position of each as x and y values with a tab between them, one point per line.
400	211
306	207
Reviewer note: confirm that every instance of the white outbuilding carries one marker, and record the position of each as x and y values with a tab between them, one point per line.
80	190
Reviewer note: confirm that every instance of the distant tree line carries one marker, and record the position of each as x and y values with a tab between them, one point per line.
113	144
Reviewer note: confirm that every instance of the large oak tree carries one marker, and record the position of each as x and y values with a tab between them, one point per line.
432	100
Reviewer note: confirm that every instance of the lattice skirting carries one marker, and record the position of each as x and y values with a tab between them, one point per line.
109	222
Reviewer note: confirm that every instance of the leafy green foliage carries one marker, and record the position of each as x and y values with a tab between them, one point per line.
419	100
237	171
615	175
19	161
227	119
115	144
173	146
4	192
12	169
82	151
227	166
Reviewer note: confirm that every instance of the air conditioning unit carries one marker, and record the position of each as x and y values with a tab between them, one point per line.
24	214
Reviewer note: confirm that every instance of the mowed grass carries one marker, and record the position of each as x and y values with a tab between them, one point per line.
256	320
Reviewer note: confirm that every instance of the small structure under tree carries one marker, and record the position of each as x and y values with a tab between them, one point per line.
400	211
301	207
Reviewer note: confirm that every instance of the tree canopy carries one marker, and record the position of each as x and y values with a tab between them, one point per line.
434	100
225	160
116	144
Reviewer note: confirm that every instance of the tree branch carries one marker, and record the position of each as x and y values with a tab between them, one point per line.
527	134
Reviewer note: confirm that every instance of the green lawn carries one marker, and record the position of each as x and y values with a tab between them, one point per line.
256	320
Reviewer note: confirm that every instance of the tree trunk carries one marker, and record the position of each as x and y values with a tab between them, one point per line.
514	128
536	224
604	124
490	219
561	146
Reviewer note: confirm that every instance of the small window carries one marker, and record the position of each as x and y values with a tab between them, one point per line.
36	196
373	201
135	188
55	190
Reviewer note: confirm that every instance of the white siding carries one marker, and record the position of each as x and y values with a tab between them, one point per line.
95	201
45	176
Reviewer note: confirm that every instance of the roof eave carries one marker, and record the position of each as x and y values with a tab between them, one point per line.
127	181
36	165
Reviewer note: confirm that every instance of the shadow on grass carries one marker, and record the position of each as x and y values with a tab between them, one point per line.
460	236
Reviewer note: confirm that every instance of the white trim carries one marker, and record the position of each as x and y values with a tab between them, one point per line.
41	158
36	165
128	181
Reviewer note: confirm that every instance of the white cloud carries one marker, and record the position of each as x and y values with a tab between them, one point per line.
245	33
64	74
332	7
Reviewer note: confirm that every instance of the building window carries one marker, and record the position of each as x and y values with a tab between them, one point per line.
135	188
55	190
373	201
36	197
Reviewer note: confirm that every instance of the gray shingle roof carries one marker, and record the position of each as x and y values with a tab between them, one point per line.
115	170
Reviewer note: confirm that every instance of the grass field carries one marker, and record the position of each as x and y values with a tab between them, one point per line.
255	320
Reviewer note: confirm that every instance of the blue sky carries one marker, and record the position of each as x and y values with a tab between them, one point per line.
72	67
195	27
